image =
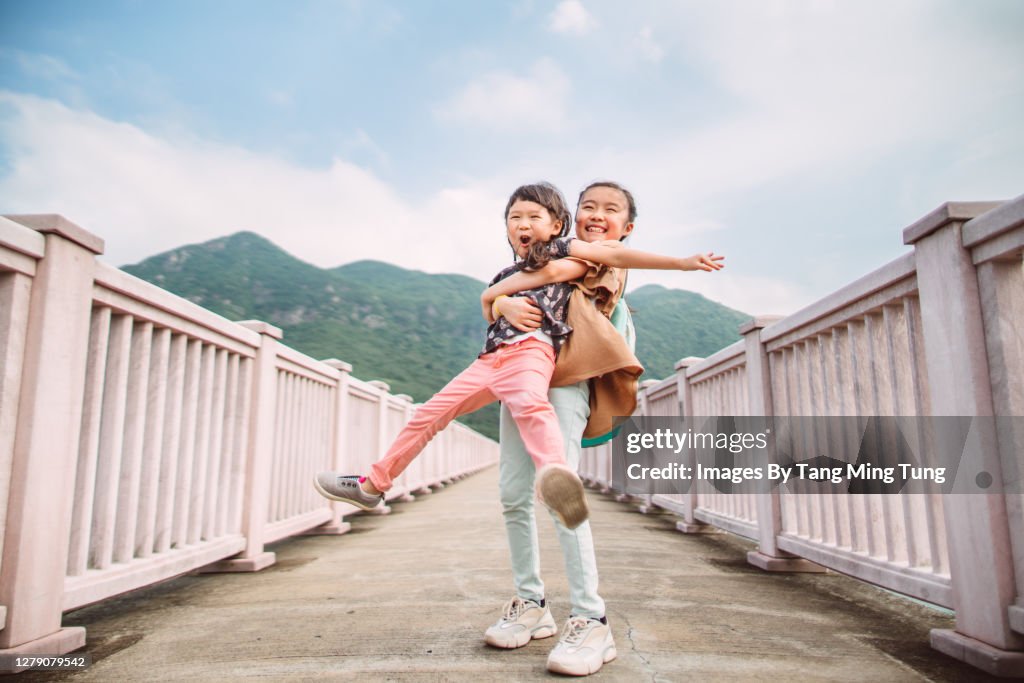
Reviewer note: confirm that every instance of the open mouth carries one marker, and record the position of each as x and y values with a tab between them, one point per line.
524	240
596	229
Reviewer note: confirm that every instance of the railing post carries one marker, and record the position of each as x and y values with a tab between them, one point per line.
382	437
689	524
38	524
262	418
424	465
977	526
407	496
337	524
999	236
644	504
768	556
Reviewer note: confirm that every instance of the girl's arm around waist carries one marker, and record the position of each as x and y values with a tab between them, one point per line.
561	270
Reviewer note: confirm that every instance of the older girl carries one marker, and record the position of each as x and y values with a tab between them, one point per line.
605	212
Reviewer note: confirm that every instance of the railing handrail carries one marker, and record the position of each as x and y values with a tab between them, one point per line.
21	239
117	280
716	359
891	273
148	436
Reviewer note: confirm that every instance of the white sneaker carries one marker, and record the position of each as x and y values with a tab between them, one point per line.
585	646
521	621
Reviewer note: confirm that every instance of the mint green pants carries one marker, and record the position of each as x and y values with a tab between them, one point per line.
516	478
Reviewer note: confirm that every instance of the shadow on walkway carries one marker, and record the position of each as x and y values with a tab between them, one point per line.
407	596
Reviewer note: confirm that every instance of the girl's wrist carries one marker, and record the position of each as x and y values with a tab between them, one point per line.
495	309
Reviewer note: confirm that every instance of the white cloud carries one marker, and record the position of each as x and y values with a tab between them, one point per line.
361	144
649	48
506	101
145	194
839	70
812	89
281	98
45	67
797	91
570	16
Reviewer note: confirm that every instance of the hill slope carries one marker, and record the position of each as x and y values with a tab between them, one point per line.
411	329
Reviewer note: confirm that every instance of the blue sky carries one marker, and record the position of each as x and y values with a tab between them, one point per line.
796	137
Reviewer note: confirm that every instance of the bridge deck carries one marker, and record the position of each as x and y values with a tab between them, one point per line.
408	595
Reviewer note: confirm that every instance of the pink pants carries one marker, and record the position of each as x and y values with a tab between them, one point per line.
518	375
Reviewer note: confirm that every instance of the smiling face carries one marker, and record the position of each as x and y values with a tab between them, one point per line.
603	214
527	223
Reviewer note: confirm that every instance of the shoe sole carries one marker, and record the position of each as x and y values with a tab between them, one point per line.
609	654
331	496
541	633
562	491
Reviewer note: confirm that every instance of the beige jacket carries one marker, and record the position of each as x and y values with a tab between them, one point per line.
595	351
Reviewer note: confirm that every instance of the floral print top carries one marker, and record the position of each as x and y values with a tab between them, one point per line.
553	300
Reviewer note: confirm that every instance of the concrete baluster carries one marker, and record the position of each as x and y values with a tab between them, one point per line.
977	526
383	439
341	462
262	418
415	466
35	552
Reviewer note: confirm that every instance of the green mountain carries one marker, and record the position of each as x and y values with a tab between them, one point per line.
413	330
674	323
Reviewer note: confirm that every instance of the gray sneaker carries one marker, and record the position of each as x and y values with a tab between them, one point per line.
346	489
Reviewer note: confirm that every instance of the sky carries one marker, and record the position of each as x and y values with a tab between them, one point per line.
797	137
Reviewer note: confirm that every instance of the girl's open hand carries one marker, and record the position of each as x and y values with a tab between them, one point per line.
709	262
521	312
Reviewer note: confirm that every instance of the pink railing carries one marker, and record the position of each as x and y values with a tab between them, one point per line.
142	436
939	331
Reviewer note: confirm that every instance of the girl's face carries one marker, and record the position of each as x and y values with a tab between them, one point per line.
603	214
529	222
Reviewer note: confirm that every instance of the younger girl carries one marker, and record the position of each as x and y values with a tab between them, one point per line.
514	367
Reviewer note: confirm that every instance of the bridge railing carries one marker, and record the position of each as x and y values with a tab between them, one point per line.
142	436
939	331
861	353
718	385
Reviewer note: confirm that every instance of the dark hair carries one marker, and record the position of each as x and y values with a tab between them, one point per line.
550	197
615	186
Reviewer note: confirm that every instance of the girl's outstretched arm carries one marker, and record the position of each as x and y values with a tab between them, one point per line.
624	257
563	270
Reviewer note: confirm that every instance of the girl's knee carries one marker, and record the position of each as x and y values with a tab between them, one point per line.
517	500
529	403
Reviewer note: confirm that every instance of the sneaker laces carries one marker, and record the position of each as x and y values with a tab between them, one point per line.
515	607
575	629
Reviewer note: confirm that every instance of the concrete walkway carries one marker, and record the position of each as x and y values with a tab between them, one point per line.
406	597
